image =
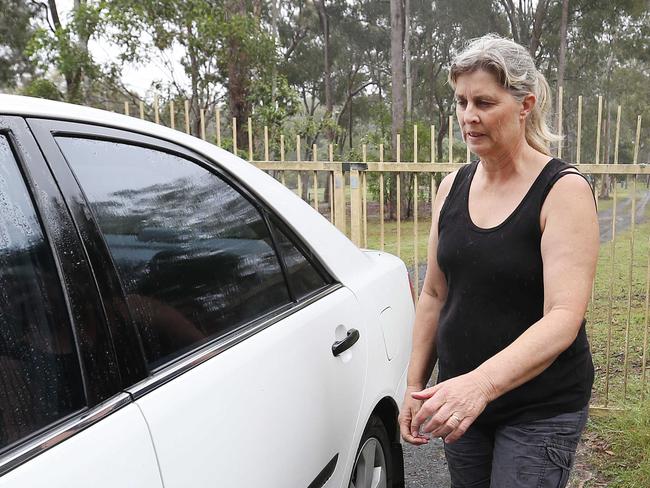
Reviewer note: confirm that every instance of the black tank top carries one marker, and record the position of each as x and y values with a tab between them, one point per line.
495	292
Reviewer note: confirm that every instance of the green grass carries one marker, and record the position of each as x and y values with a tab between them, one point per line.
619	448
616	319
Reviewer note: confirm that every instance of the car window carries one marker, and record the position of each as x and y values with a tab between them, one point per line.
39	367
302	274
195	257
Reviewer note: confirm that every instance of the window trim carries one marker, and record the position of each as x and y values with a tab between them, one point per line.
52	436
46	131
73	275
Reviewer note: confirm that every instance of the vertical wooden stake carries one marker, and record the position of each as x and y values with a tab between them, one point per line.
637	139
599	127
364	197
450	140
398	187
202	114
560	101
579	134
126	108
250	139
644	360
416	271
187	116
218	122
156	109
266	143
298	151
234	136
618	134
141	109
172	115
629	290
610	325
382	202
433	143
415	143
314	150
330	149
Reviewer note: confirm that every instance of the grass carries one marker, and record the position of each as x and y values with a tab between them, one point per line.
619	448
616	319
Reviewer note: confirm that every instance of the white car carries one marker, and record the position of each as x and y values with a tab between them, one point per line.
170	316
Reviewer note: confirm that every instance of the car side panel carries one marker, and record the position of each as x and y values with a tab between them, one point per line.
272	411
117	451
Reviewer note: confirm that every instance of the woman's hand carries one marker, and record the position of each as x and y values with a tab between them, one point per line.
451	406
410	408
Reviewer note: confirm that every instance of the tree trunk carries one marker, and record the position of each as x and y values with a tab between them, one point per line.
397	86
327	61
397	69
563	44
538	23
276	39
238	79
407	57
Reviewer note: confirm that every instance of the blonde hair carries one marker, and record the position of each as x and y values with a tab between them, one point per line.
514	69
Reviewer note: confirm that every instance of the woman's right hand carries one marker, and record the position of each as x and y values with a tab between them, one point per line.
410	407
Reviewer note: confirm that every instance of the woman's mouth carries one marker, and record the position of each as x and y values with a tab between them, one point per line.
473	134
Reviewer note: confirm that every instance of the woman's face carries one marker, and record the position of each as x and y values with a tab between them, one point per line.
491	119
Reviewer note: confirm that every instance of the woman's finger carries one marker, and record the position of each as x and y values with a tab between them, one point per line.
426	393
459	431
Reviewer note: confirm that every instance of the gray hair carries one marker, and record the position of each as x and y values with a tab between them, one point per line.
514	69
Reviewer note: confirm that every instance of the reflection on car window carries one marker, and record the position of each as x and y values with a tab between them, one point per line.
195	257
40	377
302	275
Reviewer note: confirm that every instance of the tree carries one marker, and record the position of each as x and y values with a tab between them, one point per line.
65	46
15	33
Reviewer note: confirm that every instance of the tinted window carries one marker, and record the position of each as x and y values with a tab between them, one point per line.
195	257
40	377
302	275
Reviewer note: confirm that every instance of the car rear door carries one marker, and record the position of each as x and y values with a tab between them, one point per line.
236	319
64	421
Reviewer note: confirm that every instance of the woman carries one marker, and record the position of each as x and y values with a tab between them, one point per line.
512	256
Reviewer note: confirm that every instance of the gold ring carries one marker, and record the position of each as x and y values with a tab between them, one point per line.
456	418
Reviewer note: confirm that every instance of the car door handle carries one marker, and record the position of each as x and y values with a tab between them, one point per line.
344	344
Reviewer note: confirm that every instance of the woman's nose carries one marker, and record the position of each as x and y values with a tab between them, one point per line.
469	114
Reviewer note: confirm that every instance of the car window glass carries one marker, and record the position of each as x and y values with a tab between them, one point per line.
195	257
40	376
303	276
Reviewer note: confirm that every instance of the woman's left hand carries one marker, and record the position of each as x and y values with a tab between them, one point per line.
452	405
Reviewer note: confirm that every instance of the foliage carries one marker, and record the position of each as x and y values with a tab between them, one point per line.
42	88
15	33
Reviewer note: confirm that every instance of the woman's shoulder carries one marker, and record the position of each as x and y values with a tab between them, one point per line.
450	182
566	185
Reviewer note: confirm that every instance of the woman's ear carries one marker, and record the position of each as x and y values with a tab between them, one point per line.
527	105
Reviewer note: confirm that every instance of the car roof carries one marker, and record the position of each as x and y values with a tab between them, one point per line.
338	253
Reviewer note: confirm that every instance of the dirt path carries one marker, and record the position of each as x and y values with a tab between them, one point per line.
624	215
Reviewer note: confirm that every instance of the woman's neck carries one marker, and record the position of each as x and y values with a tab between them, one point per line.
515	159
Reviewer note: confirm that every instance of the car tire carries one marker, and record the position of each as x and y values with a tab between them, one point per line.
373	464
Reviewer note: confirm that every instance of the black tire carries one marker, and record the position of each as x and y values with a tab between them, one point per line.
376	436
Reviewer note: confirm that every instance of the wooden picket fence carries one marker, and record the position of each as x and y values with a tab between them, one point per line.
352	195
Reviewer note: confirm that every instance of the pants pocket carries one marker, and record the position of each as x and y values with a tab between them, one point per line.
560	460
